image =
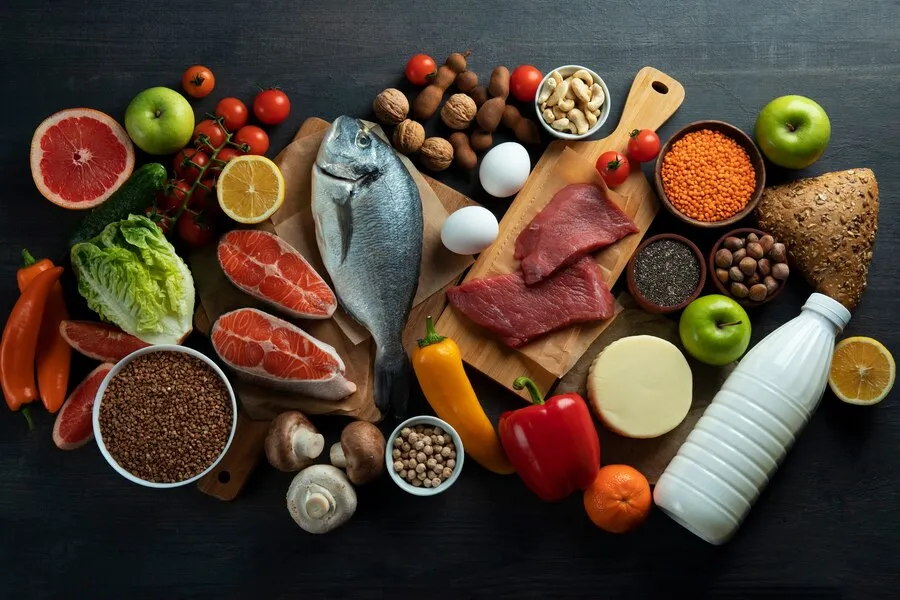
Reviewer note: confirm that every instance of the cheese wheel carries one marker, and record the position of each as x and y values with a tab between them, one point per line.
640	386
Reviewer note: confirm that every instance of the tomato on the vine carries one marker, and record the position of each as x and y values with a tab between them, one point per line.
160	217
204	198
227	153
198	81
524	82
271	106
420	69
233	113
188	163
213	131
613	168
643	145
195	230
255	138
174	199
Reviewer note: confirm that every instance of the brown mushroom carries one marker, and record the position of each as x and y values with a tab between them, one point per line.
360	452
293	442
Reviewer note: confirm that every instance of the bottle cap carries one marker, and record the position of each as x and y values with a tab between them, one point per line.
829	308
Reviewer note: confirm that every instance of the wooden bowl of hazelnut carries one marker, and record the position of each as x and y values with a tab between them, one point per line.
749	265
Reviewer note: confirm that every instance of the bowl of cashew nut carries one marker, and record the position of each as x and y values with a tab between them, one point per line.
572	102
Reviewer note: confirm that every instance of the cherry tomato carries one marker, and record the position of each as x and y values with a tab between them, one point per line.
175	198
613	168
643	145
194	229
188	163
255	138
224	155
198	81
233	112
211	130
160	217
271	107
204	199
524	82
420	68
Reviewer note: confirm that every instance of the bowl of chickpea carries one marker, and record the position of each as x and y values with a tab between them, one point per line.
426	455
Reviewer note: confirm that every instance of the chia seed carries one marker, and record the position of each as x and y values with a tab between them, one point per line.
666	272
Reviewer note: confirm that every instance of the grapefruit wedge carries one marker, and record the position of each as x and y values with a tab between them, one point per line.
99	341
79	157
74	426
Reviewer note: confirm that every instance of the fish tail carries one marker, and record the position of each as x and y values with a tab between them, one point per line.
392	381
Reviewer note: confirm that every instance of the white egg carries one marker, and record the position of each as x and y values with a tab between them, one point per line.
504	169
470	230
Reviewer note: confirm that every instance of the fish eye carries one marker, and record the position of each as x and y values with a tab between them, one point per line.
362	139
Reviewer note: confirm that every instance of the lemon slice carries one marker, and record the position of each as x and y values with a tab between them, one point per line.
250	189
862	371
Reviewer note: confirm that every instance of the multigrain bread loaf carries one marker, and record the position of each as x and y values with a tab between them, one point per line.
828	224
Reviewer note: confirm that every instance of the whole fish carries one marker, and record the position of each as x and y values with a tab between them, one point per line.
368	217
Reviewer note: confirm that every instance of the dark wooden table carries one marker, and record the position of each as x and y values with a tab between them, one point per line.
827	526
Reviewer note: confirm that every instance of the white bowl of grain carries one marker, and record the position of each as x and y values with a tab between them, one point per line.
164	416
566	71
445	430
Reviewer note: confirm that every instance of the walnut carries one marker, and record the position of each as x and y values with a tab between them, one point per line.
436	154
458	111
408	138
391	106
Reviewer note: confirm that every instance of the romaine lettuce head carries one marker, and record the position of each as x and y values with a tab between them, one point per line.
131	276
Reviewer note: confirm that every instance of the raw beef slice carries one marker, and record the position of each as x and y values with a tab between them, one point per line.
578	220
519	313
272	352
264	266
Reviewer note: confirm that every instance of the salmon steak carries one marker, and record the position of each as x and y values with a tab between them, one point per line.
271	352
264	266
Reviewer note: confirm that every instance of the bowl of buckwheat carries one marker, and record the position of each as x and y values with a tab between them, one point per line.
164	416
426	455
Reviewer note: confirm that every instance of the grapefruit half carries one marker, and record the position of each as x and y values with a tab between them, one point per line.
79	157
74	426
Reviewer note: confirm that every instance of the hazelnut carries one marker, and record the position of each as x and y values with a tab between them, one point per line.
752	280
739	290
758	292
723	258
733	243
767	241
764	266
436	154
755	250
458	111
778	253
780	271
736	274
408	138
739	255
391	106
752	237
771	285
722	275
748	266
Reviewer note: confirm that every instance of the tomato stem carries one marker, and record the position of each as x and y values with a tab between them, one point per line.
204	140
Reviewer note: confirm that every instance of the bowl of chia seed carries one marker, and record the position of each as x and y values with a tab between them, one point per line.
666	273
164	416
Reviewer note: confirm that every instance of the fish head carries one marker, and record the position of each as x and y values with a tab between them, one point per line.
352	151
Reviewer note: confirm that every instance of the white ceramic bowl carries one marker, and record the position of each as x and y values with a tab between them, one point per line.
98	435
565	71
460	456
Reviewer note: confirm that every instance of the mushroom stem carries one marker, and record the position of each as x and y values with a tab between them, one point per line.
337	456
308	443
319	503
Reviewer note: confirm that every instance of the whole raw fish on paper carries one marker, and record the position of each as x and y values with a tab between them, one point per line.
368	217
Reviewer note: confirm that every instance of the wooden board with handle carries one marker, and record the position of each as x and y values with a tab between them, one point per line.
654	97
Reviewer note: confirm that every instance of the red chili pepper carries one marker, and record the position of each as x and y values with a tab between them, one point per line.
19	343
553	445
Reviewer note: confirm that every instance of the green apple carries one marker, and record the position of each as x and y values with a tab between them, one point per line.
159	121
715	329
793	131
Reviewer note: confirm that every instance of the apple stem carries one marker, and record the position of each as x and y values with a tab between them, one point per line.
722	325
791	127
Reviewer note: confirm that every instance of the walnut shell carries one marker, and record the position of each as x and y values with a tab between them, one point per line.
390	106
458	111
436	154
408	136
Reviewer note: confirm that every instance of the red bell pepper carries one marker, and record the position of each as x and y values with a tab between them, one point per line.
553	445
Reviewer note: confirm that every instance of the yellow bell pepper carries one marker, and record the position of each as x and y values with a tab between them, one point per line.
439	369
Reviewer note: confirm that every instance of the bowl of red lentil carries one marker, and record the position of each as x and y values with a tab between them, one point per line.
710	174
164	416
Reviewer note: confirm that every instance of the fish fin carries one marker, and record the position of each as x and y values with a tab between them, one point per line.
345	224
392	382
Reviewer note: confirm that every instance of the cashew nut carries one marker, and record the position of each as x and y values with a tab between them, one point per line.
577	117
549	115
559	93
597	97
555	76
561	124
558	113
584	76
591	118
566	104
580	90
548	88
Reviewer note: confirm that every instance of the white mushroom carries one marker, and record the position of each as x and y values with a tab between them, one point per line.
293	443
360	451
321	498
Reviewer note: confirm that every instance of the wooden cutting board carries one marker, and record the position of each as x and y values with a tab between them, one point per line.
654	97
